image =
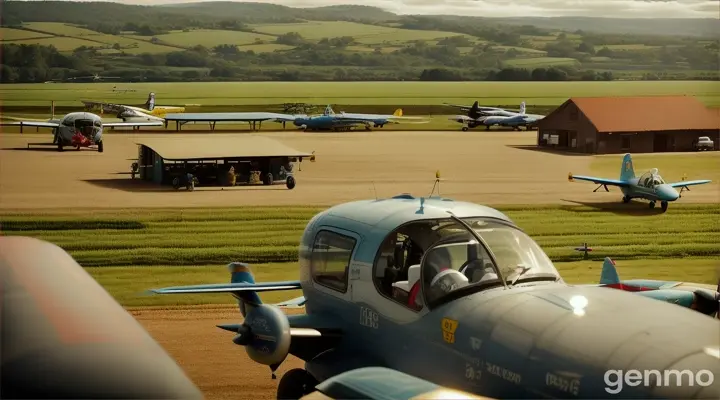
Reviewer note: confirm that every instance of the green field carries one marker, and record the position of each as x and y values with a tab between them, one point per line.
351	93
538	62
208	38
133	250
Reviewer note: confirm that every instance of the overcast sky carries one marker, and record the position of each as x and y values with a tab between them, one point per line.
510	8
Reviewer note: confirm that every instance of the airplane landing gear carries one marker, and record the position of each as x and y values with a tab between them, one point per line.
652	205
664	205
464	128
100	147
295	384
626	199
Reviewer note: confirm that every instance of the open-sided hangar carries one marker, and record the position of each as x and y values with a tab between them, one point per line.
225	161
604	125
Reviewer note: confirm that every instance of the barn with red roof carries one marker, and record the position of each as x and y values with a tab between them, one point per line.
603	125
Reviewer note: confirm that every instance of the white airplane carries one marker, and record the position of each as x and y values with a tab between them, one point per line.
489	116
127	113
79	129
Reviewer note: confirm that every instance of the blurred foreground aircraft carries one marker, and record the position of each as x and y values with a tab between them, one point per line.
456	294
64	337
649	186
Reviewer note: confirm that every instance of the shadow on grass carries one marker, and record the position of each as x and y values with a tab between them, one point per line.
549	150
138	185
635	208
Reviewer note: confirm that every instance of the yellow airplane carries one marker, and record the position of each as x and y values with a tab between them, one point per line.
150	112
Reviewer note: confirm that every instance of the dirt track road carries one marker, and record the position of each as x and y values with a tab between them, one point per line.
475	166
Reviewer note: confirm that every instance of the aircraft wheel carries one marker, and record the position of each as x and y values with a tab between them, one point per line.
176	182
100	146
664	205
464	128
268	179
290	182
59	145
295	384
626	199
652	204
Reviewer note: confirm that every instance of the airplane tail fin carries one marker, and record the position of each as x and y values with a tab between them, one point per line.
522	108
609	275
474	110
398	113
150	103
627	171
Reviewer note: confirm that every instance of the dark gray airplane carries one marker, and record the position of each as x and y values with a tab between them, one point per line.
62	336
456	294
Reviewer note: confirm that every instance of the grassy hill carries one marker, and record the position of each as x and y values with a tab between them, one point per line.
255	41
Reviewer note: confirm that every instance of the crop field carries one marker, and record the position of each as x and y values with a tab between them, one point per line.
538	62
208	38
10	34
366	34
354	93
179	246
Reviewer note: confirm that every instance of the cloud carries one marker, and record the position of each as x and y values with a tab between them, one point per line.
516	8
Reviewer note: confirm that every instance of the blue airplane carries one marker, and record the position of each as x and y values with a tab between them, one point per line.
649	186
697	296
330	120
79	129
489	116
456	294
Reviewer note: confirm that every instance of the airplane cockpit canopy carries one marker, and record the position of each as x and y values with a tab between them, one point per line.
651	178
459	264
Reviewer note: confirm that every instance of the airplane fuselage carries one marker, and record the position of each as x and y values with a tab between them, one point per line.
523	342
323	122
80	129
662	192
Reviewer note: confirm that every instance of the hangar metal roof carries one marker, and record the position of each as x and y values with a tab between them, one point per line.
647	113
196	148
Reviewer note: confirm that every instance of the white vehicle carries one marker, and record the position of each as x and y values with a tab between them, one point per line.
704	143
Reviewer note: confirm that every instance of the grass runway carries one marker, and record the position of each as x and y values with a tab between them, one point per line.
347	93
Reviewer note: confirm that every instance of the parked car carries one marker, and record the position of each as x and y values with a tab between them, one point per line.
704	143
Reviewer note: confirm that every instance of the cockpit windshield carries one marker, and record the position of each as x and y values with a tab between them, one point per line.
459	263
651	178
88	127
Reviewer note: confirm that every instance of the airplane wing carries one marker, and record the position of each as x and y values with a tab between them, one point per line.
130	124
599	181
382	383
231	287
233	116
689	183
48	124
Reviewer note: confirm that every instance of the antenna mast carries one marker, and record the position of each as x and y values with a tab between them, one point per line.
437	183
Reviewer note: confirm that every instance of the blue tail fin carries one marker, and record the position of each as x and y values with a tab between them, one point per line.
609	275
627	171
240	273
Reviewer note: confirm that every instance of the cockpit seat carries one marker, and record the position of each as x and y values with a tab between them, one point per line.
413	276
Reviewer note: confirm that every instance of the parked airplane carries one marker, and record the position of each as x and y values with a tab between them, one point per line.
456	294
79	129
346	121
477	116
697	296
649	186
151	112
484	111
65	337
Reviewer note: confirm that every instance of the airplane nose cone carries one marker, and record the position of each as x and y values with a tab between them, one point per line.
667	193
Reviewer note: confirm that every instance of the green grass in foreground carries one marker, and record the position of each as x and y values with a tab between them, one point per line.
128	285
269	235
352	93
